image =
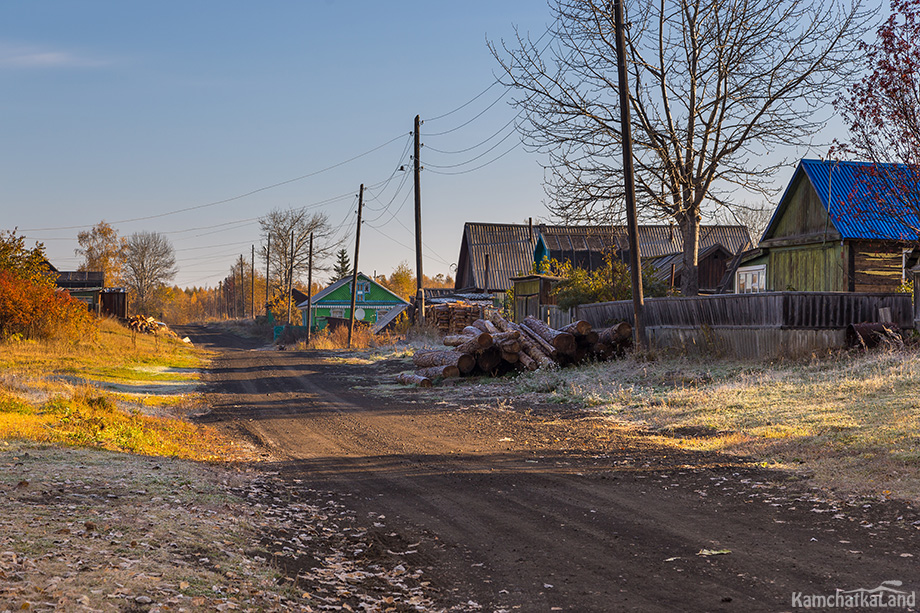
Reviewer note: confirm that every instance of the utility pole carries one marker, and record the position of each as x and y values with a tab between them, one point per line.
354	272
242	311
252	284
310	290
290	280
420	291
268	259
635	258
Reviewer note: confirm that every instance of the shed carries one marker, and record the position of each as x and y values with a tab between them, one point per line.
372	302
840	226
531	292
89	287
661	247
490	254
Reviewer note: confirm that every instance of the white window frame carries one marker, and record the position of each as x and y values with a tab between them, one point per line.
750	271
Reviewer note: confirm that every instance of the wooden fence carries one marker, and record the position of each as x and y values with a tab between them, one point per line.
768	324
799	310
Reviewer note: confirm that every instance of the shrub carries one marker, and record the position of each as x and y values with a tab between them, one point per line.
30	305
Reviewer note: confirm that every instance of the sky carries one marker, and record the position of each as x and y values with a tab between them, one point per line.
193	119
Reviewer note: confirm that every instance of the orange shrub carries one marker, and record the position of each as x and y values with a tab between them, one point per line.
37	310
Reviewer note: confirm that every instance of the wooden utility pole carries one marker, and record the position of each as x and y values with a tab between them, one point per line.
242	311
420	291
310	289
290	280
268	259
354	272
635	258
252	284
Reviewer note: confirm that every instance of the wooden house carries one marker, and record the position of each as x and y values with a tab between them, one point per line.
373	303
839	227
491	253
89	287
661	248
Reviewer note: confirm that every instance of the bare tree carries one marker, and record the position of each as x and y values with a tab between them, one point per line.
277	228
150	263
715	87
104	251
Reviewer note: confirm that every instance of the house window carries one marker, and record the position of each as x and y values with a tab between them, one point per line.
750	279
337	312
364	288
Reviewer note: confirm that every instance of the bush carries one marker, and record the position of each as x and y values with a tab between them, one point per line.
37	310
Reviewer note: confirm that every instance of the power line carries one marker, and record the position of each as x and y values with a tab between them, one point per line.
476	146
226	200
481	155
492	161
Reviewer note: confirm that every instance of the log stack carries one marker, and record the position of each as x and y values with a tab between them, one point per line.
451	318
496	346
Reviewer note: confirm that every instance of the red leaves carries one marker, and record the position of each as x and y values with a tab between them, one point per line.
37	310
883	109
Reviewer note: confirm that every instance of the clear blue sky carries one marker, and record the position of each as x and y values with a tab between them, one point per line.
119	110
225	110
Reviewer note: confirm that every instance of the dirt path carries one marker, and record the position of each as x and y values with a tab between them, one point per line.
552	509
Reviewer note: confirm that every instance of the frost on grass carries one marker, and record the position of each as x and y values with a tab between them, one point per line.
850	419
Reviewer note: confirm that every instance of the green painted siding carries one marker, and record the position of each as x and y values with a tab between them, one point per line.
811	268
372	298
804	215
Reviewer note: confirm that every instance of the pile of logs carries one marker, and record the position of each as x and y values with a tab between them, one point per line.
144	325
496	346
451	318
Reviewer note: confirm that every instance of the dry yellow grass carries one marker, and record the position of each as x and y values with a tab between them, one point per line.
852	421
55	392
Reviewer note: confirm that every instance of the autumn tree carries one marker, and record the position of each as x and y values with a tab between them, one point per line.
30	305
715	86
104	251
150	264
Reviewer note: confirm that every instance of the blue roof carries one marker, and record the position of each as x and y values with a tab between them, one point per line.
867	200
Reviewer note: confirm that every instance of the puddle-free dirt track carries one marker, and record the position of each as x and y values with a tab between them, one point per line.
552	509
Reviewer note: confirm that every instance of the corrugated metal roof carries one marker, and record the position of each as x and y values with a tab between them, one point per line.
80	278
866	200
509	248
654	240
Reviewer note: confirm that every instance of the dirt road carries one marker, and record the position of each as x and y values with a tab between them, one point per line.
547	508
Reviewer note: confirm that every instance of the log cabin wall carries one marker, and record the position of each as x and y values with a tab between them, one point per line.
876	266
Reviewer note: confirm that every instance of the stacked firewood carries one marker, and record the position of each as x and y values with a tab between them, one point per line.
144	325
451	318
496	346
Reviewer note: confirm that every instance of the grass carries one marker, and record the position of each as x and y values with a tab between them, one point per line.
52	393
851	420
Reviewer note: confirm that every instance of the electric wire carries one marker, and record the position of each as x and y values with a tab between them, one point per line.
226	200
481	155
469	170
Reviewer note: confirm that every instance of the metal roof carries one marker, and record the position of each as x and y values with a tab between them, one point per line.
508	247
654	240
866	200
80	279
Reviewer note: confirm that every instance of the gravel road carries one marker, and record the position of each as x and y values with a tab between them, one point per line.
550	508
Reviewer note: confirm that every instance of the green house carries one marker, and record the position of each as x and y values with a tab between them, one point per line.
374	304
840	227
